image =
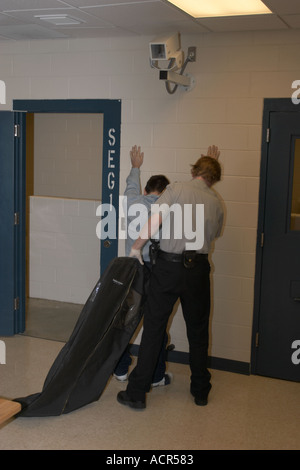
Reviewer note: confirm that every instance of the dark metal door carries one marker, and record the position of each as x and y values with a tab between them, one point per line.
12	131
277	337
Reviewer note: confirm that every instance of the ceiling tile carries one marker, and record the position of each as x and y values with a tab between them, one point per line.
92	3
243	23
283	7
292	20
96	32
6	20
129	14
32	16
12	5
29	31
160	29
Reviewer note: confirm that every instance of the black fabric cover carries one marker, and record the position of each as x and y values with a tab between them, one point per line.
106	323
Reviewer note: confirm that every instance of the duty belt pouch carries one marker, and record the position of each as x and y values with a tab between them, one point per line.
153	251
189	259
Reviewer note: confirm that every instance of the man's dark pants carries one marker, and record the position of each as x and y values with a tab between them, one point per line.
170	281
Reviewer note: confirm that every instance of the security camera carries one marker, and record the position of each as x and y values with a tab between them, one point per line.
165	48
166	56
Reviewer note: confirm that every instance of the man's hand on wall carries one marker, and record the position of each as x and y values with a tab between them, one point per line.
136	156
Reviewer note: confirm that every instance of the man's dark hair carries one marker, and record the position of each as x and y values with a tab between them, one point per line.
157	183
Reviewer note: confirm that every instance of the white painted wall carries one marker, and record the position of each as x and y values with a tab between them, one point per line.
64	251
233	73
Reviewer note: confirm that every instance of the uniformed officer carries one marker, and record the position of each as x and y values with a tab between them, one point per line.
180	273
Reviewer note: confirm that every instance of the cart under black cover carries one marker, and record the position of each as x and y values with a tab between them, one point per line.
106	323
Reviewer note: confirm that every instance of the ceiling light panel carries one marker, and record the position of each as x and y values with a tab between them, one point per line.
217	8
59	20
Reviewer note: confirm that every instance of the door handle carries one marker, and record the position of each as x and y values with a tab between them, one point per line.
296	299
106	243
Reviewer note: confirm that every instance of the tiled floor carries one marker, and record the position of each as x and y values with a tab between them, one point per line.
244	412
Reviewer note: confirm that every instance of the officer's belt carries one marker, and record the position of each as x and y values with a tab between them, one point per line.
179	257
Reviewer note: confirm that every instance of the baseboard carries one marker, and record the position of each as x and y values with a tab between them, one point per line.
217	363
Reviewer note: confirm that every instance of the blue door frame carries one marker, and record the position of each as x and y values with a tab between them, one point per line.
111	110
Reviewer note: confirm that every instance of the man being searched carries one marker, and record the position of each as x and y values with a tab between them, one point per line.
154	187
182	270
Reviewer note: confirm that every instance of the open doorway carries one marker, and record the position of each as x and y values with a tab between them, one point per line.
13	195
63	190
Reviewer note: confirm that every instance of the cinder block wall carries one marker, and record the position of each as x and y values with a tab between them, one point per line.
233	73
64	251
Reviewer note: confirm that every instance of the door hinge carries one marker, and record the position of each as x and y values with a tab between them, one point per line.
16	303
268	135
16	218
262	239
17	130
256	339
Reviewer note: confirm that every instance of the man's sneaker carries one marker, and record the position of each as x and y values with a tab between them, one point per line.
166	380
125	399
121	378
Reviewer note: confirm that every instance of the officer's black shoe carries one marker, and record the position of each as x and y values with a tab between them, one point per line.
125	399
201	399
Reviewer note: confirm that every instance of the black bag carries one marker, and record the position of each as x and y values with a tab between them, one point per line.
106	323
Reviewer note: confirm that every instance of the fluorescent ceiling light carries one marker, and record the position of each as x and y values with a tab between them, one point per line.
211	8
59	20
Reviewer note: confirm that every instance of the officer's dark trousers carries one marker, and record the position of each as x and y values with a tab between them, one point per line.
170	281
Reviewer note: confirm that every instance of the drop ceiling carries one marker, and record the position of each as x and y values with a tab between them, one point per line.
49	19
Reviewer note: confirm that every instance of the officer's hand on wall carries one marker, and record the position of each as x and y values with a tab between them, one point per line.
212	152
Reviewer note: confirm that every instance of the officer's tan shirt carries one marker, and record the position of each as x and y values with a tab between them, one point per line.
195	217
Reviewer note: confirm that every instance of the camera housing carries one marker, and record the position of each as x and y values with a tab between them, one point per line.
167	57
165	48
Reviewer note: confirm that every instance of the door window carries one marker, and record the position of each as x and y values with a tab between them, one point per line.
295	206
